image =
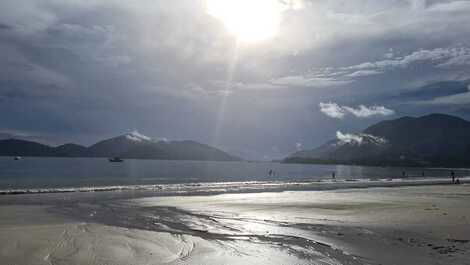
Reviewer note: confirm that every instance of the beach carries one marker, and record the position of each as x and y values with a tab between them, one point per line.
225	132
377	225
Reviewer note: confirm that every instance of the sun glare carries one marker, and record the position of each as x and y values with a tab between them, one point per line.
248	20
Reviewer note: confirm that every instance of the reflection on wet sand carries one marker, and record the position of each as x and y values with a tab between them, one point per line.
406	225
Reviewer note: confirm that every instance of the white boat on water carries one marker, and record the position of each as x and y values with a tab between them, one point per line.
17	158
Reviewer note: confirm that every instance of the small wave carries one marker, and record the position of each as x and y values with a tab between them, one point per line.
246	186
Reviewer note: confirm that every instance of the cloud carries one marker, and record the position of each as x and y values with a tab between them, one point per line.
138	137
334	110
456	99
362	73
439	58
461	60
440	94
218	87
305	81
417	22
364	111
164	67
349	138
359	139
443	55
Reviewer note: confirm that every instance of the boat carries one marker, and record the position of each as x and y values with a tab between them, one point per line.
116	159
17	158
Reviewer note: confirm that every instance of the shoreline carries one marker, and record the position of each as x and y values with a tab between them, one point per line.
213	188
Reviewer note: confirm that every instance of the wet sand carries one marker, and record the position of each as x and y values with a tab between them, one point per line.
400	225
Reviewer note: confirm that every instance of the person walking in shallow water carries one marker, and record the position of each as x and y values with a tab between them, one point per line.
452	174
333	175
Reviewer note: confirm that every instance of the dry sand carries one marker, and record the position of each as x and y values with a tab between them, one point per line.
404	225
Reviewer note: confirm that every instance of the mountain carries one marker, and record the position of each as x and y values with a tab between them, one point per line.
118	146
15	147
431	140
131	145
25	137
135	145
70	150
190	150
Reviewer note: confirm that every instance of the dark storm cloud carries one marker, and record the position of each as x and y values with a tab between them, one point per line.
82	70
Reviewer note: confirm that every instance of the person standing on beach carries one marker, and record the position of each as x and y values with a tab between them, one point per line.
333	175
452	174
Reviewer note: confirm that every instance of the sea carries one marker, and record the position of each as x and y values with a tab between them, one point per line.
32	174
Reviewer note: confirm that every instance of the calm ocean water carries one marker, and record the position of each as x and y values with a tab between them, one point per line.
83	172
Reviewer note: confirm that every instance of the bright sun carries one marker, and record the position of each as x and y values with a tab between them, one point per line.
248	20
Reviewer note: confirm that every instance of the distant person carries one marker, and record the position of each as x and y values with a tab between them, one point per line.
452	174
422	174
333	175
403	174
270	173
457	181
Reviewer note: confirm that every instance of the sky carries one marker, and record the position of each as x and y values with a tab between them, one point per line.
259	79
